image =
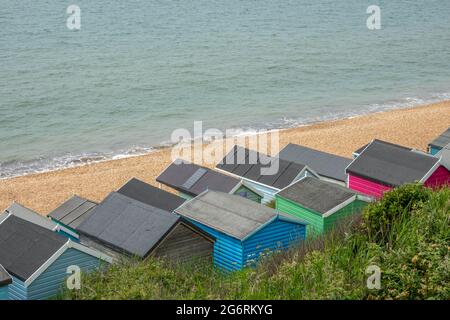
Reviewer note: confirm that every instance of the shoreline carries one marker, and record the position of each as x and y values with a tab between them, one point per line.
44	191
67	161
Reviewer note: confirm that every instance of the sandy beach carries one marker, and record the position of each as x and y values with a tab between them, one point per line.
43	192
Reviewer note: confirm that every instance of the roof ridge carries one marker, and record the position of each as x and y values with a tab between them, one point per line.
227	209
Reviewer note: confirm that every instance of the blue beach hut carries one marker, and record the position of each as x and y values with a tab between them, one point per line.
5	280
243	228
37	259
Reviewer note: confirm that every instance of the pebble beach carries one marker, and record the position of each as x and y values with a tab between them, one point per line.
43	192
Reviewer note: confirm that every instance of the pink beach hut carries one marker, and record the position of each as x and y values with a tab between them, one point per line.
381	166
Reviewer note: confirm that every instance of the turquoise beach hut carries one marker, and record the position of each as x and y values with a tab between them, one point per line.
37	260
244	230
439	142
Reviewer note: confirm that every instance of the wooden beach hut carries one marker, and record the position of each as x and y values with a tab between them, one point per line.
124	227
382	166
29	215
75	210
243	229
72	213
190	180
328	166
5	281
439	142
320	203
267	175
37	259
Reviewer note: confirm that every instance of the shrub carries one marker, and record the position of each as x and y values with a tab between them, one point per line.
396	204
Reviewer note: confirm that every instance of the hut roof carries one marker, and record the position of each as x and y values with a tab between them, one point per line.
25	247
444	155
317	195
230	214
148	194
5	278
250	164
73	212
392	164
128	225
194	179
358	151
29	215
442	140
325	164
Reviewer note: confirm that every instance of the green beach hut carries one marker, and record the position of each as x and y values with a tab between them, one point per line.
319	202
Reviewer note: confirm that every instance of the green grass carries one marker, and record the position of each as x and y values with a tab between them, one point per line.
406	234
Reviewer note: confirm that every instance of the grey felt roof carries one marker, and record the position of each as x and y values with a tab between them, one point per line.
442	140
28	215
128	225
249	164
148	194
25	247
5	278
318	195
194	179
359	150
391	164
230	214
325	164
73	212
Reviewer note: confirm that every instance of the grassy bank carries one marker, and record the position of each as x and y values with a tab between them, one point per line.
406	234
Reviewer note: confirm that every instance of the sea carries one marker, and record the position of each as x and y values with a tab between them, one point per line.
135	71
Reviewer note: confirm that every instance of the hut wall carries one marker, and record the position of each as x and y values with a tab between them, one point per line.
364	186
183	244
52	280
440	177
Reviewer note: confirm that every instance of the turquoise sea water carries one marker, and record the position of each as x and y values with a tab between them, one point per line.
139	69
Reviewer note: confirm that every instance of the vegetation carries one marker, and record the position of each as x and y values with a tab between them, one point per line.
406	234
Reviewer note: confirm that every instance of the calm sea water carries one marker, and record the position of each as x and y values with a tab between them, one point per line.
139	69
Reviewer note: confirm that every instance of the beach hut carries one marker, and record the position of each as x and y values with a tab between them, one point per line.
72	213
328	166
382	166
190	180
243	229
439	142
153	196
29	215
124	227
37	259
320	203
5	281
263	173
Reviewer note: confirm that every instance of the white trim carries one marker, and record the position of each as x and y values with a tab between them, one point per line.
431	171
347	179
60	227
245	179
46	264
243	183
68	245
260	227
339	206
